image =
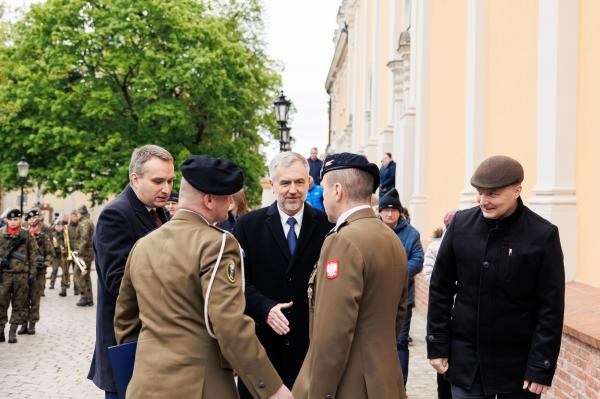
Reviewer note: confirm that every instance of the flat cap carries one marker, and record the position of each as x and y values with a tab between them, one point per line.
14	213
346	160
173	197
32	213
496	172
390	200
213	175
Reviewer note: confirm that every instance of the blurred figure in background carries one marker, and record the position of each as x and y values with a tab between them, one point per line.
238	208
315	195
172	203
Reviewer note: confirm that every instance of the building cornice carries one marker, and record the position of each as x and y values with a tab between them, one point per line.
341	47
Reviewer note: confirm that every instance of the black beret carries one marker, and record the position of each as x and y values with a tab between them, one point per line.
213	175
174	197
496	172
346	160
32	213
390	200
14	213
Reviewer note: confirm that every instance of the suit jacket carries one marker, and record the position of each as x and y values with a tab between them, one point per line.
273	276
357	298
162	303
121	223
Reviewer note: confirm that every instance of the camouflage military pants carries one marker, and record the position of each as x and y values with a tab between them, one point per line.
76	276
13	291
85	282
65	281
35	295
56	264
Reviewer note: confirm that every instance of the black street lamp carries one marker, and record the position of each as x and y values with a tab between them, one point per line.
23	168
282	110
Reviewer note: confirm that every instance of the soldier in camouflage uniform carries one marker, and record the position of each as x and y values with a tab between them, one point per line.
17	270
72	232
85	251
43	238
60	257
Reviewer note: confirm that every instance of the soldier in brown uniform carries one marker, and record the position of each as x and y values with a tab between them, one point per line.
85	252
182	299
357	293
42	236
72	233
18	253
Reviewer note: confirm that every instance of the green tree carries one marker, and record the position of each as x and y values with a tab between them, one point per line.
92	79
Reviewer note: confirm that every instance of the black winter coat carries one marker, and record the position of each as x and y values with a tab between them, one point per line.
506	320
273	276
121	223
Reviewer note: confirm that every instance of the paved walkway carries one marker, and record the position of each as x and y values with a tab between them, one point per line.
54	363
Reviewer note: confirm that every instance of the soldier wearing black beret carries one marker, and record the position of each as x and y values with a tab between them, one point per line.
197	324
496	297
356	294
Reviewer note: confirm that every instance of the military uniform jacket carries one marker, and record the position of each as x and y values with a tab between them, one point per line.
44	242
496	300
83	240
28	248
357	300
164	303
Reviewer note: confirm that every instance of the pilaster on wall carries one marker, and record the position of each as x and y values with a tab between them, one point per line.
554	193
476	104
418	201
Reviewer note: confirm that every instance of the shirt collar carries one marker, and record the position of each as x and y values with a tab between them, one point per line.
284	216
344	216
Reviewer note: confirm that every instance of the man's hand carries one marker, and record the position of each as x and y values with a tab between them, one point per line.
440	365
534	387
282	393
278	322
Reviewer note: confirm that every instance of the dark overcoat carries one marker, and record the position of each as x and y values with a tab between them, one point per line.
273	276
506	320
121	223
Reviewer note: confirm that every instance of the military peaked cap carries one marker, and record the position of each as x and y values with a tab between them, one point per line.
213	175
346	160
496	172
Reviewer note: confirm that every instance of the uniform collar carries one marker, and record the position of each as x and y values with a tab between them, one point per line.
346	216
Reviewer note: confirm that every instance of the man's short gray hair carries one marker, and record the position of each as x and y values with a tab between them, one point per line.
143	154
357	184
285	159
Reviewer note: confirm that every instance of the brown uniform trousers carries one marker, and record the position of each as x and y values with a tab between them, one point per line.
163	299
44	243
59	261
357	303
13	286
85	250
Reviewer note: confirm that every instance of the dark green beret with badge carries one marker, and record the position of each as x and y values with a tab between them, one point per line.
346	160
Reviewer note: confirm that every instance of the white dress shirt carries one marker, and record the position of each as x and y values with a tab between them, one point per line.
284	218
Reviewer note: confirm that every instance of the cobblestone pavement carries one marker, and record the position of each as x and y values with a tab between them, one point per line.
54	362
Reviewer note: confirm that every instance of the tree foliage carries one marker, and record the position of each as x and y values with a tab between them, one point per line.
90	80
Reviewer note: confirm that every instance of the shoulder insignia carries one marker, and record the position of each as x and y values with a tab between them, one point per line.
332	268
230	270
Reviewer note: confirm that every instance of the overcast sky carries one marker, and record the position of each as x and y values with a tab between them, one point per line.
299	34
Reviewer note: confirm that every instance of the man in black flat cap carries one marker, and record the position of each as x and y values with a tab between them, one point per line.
496	297
356	293
196	326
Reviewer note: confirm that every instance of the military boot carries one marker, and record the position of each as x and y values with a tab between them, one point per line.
63	292
23	329
31	328
82	302
51	285
12	334
2	336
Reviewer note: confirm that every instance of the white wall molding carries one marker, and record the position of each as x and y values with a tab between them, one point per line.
555	189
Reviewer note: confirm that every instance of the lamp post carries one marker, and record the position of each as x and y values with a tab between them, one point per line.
282	109
23	168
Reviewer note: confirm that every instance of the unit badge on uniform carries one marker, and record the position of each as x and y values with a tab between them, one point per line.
332	268
231	272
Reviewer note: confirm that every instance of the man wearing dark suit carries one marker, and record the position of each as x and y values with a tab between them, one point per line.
131	215
281	245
